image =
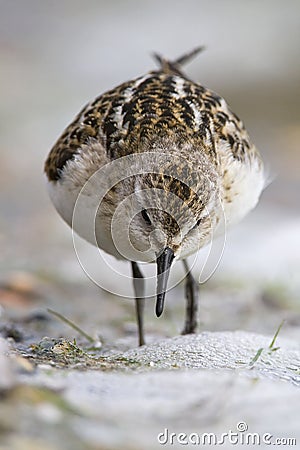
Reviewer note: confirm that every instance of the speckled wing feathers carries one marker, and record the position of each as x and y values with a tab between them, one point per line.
157	105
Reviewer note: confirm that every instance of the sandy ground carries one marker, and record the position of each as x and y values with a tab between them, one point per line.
57	393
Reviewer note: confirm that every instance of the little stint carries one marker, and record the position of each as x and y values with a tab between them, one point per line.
184	162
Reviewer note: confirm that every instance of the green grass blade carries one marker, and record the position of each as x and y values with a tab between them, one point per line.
71	324
276	335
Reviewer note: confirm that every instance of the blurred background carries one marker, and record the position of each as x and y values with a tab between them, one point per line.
56	56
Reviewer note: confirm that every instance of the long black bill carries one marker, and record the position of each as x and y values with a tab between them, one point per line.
163	262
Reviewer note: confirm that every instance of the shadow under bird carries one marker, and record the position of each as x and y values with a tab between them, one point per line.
184	164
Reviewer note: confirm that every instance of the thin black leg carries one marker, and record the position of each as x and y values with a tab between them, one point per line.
138	284
192	294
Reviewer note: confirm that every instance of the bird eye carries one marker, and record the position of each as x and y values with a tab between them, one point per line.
146	217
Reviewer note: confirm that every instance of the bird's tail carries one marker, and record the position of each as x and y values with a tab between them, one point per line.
175	66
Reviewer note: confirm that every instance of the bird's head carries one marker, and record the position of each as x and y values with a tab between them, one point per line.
165	212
